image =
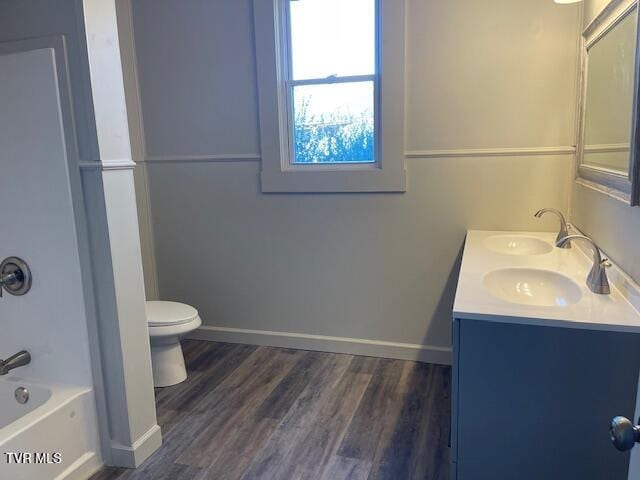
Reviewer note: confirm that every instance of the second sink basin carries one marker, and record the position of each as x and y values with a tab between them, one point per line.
517	245
530	286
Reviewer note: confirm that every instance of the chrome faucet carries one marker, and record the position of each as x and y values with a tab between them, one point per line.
597	280
20	359
564	232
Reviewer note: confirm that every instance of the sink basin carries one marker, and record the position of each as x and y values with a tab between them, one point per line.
517	245
530	286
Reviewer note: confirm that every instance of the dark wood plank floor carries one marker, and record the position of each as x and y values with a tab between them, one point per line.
249	412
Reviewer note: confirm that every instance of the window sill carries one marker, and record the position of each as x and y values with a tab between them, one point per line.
370	180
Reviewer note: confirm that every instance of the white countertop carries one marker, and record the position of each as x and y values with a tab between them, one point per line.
613	312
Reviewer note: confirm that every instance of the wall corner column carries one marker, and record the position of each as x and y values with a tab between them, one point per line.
108	184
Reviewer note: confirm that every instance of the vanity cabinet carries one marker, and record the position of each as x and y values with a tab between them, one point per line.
534	402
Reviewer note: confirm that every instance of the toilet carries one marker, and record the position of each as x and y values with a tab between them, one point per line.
168	322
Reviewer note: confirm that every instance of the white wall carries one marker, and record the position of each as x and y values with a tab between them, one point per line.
369	266
592	8
613	225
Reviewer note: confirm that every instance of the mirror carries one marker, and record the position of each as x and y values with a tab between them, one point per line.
606	149
607	136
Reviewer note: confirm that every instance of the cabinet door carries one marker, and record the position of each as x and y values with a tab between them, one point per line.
534	402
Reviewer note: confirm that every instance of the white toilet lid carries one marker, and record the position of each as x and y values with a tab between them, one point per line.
162	314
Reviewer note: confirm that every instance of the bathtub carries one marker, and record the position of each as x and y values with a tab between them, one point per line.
53	436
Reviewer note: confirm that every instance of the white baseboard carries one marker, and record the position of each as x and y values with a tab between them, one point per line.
322	343
83	468
133	456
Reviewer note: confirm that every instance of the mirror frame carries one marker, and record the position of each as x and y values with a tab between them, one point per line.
624	186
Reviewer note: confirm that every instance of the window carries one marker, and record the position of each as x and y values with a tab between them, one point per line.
331	117
332	80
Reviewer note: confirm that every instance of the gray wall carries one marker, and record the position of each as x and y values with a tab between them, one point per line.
368	266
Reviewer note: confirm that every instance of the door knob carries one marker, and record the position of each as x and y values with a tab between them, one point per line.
624	434
15	276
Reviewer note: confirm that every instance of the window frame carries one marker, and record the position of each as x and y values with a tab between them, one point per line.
290	85
279	172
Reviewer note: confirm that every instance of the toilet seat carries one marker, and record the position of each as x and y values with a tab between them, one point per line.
165	314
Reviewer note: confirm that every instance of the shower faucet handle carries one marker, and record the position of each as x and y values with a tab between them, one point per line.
15	276
8	280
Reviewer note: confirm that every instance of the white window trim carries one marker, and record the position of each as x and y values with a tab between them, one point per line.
278	174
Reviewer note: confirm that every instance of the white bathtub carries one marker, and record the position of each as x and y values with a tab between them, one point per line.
56	426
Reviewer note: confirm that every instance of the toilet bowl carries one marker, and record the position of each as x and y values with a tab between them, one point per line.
168	322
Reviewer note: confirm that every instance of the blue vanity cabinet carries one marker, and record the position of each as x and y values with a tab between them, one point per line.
534	402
